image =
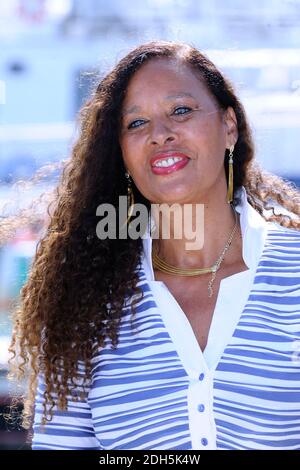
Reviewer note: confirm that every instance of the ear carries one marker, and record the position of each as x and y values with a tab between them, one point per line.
231	127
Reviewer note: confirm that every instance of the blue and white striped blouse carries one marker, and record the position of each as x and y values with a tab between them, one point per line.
159	391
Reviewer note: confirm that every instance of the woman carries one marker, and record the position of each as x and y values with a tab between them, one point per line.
134	346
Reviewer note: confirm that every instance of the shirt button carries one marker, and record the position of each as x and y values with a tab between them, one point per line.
201	407
204	441
201	377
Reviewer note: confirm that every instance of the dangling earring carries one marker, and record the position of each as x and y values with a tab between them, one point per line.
130	198
230	176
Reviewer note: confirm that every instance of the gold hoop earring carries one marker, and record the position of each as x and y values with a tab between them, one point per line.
130	198
230	176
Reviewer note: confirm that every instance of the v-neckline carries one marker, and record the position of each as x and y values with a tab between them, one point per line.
220	333
233	296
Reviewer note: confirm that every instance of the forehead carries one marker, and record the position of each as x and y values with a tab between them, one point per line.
166	76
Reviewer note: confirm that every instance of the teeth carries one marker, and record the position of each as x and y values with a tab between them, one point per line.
168	162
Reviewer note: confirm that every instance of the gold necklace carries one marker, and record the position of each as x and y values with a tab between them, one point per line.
162	265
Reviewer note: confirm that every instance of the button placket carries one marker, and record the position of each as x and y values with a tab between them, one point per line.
200	412
201	409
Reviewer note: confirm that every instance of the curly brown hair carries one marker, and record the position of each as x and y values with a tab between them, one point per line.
77	284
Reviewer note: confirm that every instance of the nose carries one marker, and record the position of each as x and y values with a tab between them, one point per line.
161	133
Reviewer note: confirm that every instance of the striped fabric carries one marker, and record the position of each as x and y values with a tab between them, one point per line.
257	382
142	396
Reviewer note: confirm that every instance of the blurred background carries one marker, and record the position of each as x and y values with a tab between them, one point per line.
50	53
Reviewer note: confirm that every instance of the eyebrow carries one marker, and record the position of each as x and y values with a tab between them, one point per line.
134	108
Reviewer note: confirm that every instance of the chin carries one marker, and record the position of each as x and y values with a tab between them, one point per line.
173	199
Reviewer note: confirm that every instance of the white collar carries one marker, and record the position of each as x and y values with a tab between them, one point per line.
253	228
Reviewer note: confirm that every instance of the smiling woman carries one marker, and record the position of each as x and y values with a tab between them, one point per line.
144	343
163	120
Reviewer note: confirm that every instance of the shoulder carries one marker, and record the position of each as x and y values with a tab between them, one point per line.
284	237
285	232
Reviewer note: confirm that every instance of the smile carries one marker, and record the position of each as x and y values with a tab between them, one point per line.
169	164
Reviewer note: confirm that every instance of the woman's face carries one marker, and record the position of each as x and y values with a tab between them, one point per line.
173	134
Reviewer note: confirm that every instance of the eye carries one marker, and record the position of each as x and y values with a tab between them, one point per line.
132	126
184	108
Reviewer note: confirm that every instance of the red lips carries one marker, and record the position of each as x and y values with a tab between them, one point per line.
167	154
166	170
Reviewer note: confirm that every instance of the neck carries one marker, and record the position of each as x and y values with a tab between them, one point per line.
211	228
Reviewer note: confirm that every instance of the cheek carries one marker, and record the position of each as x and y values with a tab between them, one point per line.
126	152
132	152
210	139
209	145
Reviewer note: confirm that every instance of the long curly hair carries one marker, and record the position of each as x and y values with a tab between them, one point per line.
75	290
